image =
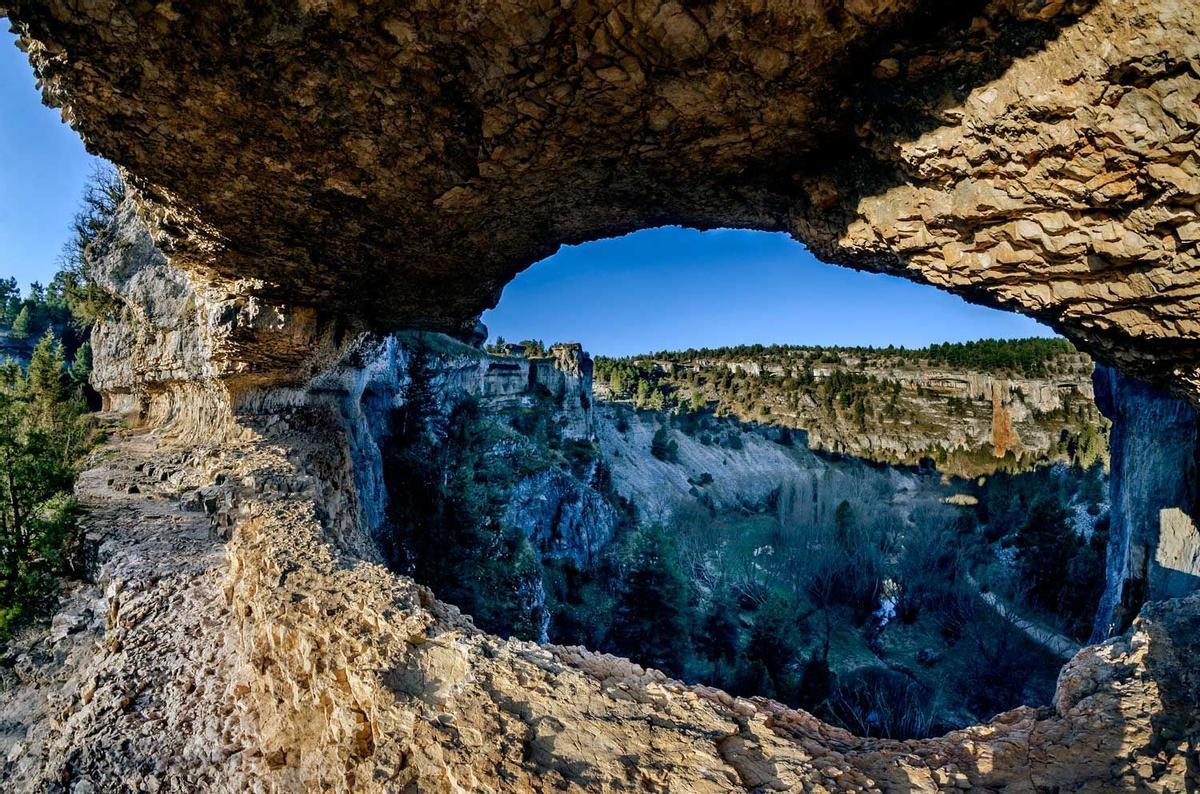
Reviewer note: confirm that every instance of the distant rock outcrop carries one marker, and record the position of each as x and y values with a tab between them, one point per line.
907	410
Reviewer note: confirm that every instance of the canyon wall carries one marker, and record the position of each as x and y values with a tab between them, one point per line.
1154	546
796	485
317	168
967	422
159	357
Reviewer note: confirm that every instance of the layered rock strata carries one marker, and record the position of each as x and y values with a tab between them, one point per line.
934	411
295	664
316	166
399	165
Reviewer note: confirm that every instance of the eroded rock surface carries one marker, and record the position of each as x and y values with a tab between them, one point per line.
287	665
399	165
314	167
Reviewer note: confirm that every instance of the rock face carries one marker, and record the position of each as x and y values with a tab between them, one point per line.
798	486
317	167
175	349
1154	547
278	660
966	421
568	376
398	166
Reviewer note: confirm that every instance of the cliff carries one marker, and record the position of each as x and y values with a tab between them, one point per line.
1154	546
892	407
317	169
791	483
277	659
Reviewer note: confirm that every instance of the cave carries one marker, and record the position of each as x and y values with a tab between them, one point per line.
307	178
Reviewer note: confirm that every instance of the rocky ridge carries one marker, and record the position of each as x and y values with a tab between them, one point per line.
964	421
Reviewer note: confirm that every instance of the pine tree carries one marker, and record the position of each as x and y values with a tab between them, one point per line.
663	447
22	324
1045	545
81	366
843	521
10	300
46	377
651	615
642	395
717	639
772	643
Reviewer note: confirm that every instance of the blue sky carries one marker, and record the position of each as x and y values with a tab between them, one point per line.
43	167
656	289
670	288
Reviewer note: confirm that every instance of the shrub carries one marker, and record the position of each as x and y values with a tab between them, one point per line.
883	703
663	447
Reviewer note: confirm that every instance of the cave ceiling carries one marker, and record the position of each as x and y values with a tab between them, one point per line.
395	164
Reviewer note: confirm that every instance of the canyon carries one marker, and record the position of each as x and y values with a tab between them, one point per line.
309	177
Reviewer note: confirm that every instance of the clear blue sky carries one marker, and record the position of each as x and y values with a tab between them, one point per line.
43	167
671	288
656	289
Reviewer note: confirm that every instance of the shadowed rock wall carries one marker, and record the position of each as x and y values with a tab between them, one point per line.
1154	547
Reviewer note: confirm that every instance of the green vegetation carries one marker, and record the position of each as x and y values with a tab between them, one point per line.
532	348
845	392
44	426
863	612
450	478
759	607
44	431
1032	357
663	447
1058	574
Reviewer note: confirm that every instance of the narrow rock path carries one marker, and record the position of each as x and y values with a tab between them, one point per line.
1060	645
134	665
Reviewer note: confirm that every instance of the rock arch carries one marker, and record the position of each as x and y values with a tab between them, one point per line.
396	166
319	167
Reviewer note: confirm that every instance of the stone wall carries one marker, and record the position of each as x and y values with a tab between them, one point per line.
1155	498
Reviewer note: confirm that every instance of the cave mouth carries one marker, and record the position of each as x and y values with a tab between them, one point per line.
875	533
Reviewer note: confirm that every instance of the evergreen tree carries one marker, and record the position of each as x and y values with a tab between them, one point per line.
22	325
717	639
816	680
47	375
1045	545
420	400
772	642
81	365
843	521
663	447
10	300
651	614
642	395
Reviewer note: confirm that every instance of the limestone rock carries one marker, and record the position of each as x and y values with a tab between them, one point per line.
398	166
